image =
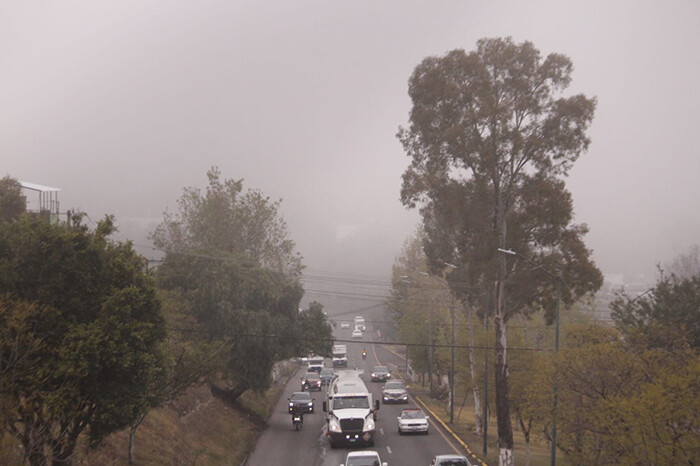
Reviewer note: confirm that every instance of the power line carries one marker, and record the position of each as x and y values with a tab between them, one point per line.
339	340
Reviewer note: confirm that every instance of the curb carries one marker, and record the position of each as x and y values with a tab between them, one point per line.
437	418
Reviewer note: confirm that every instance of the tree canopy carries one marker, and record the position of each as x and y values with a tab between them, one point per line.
86	312
226	220
668	315
12	203
229	258
490	136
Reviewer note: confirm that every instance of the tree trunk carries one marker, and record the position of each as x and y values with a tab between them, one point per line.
526	432
505	428
132	437
472	370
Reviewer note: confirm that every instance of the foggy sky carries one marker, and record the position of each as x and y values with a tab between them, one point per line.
123	103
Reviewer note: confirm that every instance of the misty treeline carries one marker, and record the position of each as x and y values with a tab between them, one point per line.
491	137
628	391
92	339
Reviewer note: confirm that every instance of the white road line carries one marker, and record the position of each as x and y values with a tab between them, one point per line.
381	431
388	448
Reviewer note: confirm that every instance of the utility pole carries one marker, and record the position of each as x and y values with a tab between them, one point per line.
553	453
452	363
430	349
555	396
484	416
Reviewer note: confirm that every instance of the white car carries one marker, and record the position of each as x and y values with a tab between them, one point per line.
357	334
413	420
345	324
363	458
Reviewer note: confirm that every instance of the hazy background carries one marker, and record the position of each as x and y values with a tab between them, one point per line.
123	103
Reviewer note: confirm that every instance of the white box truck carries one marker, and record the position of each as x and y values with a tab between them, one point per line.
340	356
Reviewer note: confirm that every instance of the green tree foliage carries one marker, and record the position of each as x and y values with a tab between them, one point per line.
229	259
668	314
12	203
489	140
620	403
315	330
686	265
87	311
420	307
225	220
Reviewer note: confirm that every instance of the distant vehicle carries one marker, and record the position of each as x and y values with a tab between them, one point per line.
357	334
326	375
340	357
302	401
363	458
315	364
360	323
311	381
412	420
450	460
345	324
394	392
380	374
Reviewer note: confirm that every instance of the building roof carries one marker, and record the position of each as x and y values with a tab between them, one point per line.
38	187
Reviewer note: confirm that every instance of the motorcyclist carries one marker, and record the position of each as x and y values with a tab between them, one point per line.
297	410
364	353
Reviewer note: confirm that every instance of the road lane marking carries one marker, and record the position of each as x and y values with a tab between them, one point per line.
388	448
381	431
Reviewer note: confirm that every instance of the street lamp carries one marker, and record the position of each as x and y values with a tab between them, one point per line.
452	363
557	277
430	341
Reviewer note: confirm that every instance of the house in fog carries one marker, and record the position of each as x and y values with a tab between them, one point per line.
42	200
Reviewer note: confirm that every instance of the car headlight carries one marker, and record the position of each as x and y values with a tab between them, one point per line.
291	404
311	403
369	425
333	426
374	375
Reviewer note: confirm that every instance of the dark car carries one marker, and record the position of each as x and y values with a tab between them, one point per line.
380	374
326	375
311	381
450	460
302	401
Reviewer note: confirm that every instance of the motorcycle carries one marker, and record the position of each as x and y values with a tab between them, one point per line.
298	421
364	354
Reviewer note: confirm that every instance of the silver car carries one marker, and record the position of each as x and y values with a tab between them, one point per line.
394	391
450	460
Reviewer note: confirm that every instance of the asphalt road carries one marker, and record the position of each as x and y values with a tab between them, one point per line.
280	444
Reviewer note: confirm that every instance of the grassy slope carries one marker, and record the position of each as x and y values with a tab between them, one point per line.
197	428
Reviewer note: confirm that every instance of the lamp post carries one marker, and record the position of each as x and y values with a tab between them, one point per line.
430	342
555	397
484	415
452	362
